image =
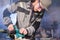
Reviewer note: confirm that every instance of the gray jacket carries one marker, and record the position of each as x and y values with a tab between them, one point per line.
24	13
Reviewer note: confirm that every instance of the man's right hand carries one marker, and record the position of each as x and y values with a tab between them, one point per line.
23	31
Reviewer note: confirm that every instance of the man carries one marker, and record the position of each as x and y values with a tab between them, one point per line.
51	20
24	14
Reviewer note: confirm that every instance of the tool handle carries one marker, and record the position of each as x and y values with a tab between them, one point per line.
18	34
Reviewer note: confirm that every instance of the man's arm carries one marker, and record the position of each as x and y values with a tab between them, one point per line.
7	20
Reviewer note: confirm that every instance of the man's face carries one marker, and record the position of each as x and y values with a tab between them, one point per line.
37	6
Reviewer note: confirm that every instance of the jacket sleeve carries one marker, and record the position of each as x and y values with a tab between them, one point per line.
32	28
6	17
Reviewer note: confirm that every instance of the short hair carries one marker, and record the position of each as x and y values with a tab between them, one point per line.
32	1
